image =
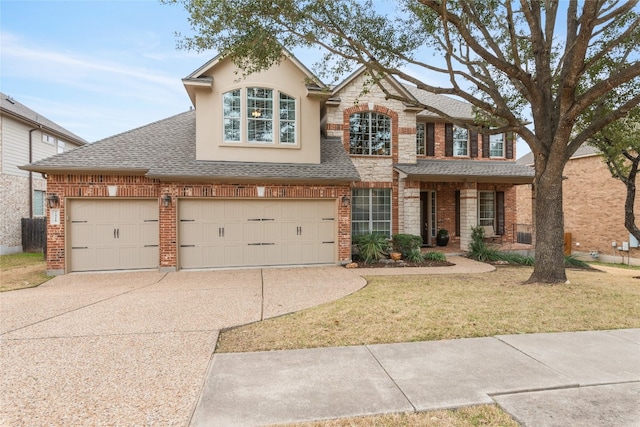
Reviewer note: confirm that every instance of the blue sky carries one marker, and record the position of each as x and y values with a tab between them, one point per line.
99	68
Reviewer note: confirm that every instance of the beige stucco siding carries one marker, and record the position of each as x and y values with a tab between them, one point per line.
286	78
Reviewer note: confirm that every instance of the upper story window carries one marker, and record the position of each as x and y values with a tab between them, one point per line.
48	139
496	145
257	122
460	142
421	147
370	134
61	146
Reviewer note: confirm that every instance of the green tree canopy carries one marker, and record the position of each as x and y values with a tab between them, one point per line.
551	61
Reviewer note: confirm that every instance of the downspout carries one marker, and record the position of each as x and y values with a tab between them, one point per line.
31	173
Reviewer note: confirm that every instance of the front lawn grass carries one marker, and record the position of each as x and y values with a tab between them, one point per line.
422	308
24	270
483	415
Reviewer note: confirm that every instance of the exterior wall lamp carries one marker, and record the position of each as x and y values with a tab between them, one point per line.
166	200
52	201
346	201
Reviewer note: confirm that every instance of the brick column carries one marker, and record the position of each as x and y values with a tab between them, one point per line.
468	214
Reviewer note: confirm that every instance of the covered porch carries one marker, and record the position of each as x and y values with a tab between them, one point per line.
457	195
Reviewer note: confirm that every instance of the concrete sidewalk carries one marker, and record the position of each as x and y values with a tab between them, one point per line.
561	379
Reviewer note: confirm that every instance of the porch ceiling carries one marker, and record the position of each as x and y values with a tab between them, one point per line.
467	171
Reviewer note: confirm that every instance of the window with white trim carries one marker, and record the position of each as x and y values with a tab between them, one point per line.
487	208
38	203
61	146
460	142
258	115
232	115
371	211
370	134
496	145
421	147
48	139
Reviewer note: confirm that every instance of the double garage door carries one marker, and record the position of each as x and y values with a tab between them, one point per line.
237	233
124	234
113	234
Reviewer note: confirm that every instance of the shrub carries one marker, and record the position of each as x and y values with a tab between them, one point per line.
371	247
405	243
415	255
435	256
479	251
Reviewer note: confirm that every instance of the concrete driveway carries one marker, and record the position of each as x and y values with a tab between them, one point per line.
133	348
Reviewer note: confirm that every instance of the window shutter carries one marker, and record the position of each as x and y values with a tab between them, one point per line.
485	146
457	214
474	143
500	212
431	139
509	143
448	140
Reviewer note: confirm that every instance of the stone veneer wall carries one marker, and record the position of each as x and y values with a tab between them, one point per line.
95	186
14	193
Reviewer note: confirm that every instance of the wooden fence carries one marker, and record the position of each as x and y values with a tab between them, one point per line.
34	235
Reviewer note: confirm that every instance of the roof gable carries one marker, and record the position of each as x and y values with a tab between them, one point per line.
389	79
20	111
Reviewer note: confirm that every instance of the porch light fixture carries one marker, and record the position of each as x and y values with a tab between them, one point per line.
52	201
260	191
166	200
346	201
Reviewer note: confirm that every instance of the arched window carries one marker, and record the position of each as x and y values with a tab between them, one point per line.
370	134
257	115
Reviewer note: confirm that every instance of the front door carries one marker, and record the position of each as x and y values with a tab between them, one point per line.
428	216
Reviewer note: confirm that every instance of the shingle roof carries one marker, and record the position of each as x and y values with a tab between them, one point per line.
472	170
166	150
585	150
18	109
450	106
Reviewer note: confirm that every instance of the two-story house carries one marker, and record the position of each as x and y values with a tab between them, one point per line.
275	168
25	136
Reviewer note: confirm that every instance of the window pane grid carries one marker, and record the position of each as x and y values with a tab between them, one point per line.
370	134
420	143
486	208
231	110
287	119
371	211
496	145
460	141
259	115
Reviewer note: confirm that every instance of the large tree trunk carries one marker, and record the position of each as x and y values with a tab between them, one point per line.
629	213
549	224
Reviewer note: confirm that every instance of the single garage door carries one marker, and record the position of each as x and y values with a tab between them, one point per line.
113	234
236	233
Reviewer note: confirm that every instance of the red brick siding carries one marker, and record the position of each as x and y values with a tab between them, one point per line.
95	186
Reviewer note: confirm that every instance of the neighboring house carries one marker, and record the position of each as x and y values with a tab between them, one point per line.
593	205
276	169
25	136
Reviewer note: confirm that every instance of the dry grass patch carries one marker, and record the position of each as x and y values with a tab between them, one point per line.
486	415
422	308
19	271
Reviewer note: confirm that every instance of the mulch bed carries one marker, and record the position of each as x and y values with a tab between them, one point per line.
403	264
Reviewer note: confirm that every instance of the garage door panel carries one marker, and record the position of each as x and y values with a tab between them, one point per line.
326	252
113	234
258	232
